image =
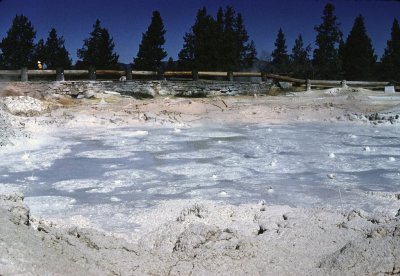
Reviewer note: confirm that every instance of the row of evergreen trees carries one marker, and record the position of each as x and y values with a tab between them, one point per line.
220	43
334	58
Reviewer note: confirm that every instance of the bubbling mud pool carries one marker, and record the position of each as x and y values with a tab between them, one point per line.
102	177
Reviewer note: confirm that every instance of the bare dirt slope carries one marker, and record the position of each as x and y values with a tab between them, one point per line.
318	106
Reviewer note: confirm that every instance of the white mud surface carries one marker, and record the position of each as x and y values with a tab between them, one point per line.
112	174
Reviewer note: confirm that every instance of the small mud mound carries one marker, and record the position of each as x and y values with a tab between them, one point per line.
344	91
11	127
7	132
23	106
378	253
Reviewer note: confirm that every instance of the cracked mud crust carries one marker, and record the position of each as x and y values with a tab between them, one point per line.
206	238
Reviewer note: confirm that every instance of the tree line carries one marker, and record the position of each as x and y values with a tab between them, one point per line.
219	43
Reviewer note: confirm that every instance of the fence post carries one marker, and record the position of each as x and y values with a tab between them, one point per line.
160	74
128	73
263	77
92	73
344	84
308	85
230	76
195	75
24	74
60	74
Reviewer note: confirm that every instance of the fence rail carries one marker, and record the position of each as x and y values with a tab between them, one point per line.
92	74
10	72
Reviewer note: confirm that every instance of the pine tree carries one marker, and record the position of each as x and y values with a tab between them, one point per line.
326	56
206	40
18	46
219	40
56	53
230	45
358	55
246	52
391	58
280	58
248	56
40	53
151	51
186	56
300	59
98	50
171	65
217	44
199	51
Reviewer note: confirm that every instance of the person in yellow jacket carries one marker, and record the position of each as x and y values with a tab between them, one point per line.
39	65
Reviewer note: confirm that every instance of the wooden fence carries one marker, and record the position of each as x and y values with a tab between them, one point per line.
92	74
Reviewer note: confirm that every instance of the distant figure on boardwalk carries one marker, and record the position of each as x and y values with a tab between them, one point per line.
39	65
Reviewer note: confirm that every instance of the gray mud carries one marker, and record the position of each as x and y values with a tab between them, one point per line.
207	238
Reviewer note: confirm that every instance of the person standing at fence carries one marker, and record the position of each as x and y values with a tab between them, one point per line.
39	65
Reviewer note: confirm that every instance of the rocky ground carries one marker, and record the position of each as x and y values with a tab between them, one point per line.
200	237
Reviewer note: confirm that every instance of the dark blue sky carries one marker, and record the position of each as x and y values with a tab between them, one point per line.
128	19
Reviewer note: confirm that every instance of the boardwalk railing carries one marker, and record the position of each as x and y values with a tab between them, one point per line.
92	74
